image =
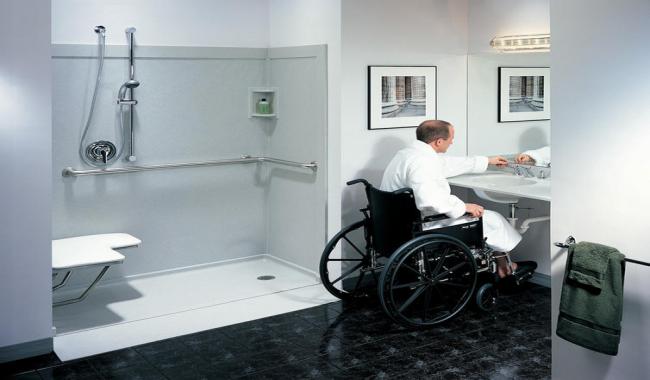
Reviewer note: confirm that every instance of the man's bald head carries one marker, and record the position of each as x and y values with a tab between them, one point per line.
431	130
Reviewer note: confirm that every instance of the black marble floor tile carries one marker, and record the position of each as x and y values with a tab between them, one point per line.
31	375
313	368
79	369
135	372
340	340
319	315
29	364
116	360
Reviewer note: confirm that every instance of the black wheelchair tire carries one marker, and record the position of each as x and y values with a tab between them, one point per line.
387	287
364	262
486	297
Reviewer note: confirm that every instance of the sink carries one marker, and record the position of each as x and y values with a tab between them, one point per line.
496	197
499	180
503	180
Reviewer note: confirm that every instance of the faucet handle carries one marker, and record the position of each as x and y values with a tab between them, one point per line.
104	153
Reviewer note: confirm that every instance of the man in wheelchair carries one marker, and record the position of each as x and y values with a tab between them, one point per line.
423	168
424	252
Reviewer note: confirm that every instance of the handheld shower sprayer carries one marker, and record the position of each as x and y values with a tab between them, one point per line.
121	94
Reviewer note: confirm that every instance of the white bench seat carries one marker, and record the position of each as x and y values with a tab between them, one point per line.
87	251
90	250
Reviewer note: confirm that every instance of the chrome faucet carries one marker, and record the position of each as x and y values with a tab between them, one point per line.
523	171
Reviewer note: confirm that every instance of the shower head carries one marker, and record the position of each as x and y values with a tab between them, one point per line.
128	84
99	29
131	83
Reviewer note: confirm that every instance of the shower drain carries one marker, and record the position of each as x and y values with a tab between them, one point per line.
266	277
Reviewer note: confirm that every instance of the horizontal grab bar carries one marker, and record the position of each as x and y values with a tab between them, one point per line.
70	172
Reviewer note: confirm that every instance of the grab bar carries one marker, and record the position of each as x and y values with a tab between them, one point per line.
571	240
70	172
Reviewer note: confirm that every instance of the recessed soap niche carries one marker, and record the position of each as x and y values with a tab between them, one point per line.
272	96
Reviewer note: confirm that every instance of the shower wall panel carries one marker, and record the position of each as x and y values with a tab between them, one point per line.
192	106
297	200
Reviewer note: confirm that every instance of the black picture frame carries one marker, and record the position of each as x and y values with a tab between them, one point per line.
401	96
524	94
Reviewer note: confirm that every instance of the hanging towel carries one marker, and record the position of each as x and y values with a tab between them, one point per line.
591	304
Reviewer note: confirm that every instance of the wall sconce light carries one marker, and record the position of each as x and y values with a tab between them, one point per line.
522	43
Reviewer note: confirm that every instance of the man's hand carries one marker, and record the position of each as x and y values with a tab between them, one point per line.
498	161
524	158
474	209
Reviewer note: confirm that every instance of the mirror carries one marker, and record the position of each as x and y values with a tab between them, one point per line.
486	134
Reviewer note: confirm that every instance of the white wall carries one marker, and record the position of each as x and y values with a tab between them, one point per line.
188	110
296	198
491	18
413	32
601	92
315	22
25	152
224	23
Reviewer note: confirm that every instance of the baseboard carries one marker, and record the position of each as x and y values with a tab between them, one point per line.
26	350
541	279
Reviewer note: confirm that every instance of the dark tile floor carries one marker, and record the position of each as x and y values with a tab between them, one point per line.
335	341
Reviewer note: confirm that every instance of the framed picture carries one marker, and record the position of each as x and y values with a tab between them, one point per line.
524	93
400	96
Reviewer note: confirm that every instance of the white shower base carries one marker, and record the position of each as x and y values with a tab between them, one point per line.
143	309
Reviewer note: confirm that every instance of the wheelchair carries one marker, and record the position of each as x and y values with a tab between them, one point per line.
424	271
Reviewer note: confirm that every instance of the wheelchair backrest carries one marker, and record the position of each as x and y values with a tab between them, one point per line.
394	218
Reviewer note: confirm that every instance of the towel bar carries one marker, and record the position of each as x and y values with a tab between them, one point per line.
571	240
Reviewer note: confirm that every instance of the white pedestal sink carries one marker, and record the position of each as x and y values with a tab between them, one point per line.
504	180
500	180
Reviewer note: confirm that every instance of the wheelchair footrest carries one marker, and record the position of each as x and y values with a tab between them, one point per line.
524	271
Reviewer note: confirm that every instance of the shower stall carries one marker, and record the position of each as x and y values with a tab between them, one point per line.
230	205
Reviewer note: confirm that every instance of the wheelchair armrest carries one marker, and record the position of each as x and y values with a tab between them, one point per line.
404	190
355	181
431	218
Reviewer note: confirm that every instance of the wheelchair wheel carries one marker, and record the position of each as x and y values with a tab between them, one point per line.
428	280
346	265
486	297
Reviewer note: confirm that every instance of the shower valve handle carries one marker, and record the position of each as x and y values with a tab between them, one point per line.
104	153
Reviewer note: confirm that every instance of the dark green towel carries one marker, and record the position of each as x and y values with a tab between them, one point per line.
591	305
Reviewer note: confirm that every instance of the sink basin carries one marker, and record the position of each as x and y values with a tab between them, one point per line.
500	180
503	180
496	197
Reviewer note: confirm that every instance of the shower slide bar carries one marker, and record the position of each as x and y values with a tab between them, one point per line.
571	240
70	172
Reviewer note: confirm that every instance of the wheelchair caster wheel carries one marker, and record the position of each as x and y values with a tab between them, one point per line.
486	297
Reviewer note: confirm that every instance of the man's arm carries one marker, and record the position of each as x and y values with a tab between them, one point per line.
454	166
431	189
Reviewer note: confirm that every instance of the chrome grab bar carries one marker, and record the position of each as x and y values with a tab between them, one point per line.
70	172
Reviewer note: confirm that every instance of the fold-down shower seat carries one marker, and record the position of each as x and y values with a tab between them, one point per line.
86	252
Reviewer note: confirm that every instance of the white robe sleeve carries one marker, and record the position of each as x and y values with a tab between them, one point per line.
453	166
542	156
431	189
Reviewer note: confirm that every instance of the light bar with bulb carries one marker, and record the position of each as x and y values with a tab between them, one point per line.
528	42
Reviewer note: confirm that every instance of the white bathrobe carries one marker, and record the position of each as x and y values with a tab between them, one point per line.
542	156
423	170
